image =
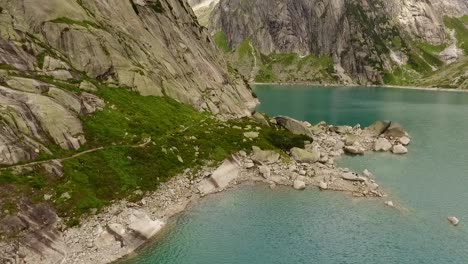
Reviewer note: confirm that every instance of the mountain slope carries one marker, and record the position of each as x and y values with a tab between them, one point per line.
367	39
52	51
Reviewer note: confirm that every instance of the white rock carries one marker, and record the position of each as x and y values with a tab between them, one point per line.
389	203
382	144
299	185
453	220
404	140
399	149
302	172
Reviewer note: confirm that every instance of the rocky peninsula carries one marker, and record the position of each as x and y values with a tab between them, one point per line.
124	226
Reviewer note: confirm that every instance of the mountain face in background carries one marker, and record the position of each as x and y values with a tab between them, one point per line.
53	52
366	41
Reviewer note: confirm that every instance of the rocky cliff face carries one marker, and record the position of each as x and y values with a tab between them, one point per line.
365	38
56	59
51	52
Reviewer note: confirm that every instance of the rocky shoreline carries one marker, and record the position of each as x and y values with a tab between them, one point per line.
125	226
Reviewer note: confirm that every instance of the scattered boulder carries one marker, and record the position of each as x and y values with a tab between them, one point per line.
355	149
304	156
405	141
389	204
264	156
399	149
299	185
395	130
323	185
294	126
377	128
453	220
382	144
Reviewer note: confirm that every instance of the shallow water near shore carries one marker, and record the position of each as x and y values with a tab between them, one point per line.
254	224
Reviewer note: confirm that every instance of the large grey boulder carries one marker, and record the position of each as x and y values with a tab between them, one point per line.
304	156
294	126
395	130
377	128
264	156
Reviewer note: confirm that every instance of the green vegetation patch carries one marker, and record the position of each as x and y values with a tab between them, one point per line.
146	141
221	41
244	49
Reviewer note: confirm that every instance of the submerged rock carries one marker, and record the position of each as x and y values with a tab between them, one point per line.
367	173
453	220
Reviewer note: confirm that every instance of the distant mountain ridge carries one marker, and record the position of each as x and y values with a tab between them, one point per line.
368	41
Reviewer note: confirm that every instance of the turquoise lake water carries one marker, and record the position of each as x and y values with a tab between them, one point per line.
257	225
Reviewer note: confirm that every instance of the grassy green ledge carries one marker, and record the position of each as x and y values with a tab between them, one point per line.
126	167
